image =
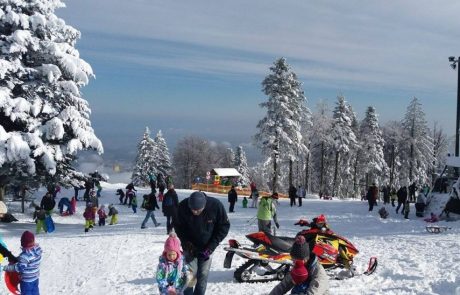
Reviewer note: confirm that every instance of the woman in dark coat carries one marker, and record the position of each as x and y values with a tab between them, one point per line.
169	207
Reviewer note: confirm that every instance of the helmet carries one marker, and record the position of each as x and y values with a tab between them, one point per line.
321	219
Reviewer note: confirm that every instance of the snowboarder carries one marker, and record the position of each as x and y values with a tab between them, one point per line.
113	212
28	264
150	204
309	279
172	270
232	199
201	224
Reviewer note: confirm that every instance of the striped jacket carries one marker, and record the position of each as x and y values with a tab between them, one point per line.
28	264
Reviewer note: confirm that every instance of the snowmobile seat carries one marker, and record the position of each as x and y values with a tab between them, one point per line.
282	244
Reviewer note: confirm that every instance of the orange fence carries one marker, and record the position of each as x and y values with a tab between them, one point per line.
223	189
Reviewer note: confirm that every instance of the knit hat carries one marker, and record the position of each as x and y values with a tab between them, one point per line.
300	248
197	201
172	244
299	272
27	239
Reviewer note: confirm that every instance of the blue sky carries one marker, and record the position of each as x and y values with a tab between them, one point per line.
195	67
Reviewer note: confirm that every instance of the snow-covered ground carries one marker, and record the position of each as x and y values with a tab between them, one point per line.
122	259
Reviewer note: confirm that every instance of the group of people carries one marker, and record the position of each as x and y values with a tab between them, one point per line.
296	193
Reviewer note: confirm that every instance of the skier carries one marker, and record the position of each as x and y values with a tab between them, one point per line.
311	280
172	270
232	199
28	264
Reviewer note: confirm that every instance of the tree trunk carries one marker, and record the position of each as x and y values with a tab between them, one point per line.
321	175
275	174
334	186
392	162
290	172
355	176
23	197
2	192
307	173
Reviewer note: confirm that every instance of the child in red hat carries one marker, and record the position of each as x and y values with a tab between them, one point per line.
172	269
28	264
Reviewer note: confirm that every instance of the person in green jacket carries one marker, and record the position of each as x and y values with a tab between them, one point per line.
266	212
245	202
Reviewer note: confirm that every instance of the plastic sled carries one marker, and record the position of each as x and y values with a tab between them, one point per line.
435	229
49	224
12	280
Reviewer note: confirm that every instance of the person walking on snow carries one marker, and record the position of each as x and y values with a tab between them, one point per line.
300	193
201	224
267	212
372	195
172	270
169	207
402	197
113	212
232	199
292	195
102	215
150	205
255	198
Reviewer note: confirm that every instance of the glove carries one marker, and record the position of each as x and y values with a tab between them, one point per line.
277	225
302	222
205	254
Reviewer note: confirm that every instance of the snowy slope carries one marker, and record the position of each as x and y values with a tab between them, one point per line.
122	259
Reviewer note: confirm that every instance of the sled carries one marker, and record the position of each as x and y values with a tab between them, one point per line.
436	229
12	280
49	224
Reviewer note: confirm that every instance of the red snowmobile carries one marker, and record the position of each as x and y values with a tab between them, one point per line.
269	260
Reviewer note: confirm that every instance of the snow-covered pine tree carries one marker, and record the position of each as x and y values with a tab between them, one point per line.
44	119
392	134
343	140
418	151
228	159
145	160
279	131
372	161
440	147
163	157
241	165
321	147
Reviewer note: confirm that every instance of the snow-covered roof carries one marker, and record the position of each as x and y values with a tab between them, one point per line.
223	172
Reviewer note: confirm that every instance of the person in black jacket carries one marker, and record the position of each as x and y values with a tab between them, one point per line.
292	194
150	205
201	224
48	203
402	197
169	207
232	199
